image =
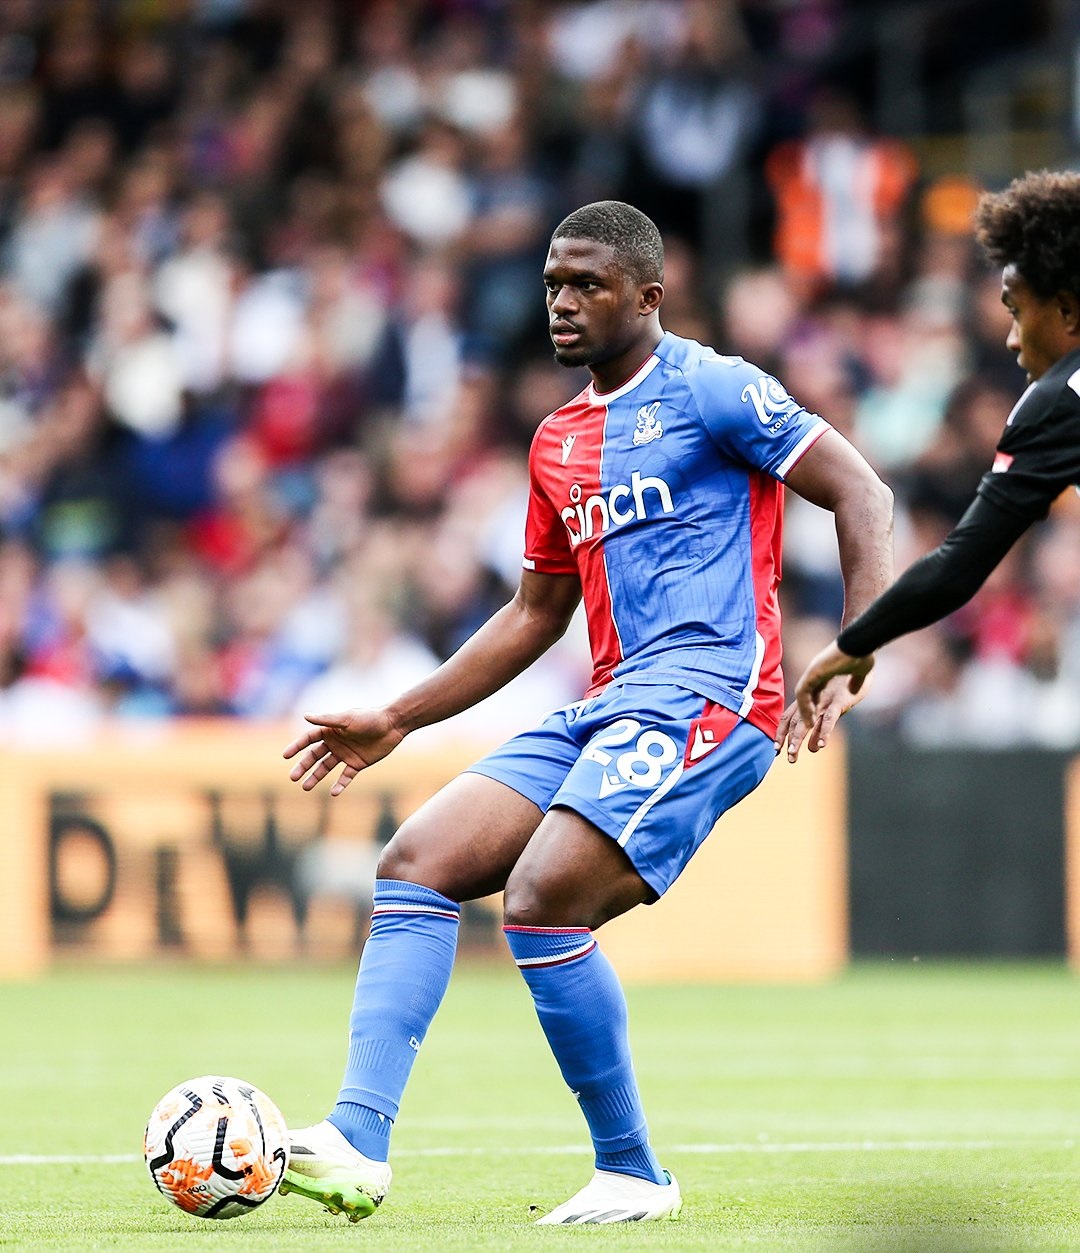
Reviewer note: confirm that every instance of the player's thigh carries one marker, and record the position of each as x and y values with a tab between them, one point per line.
571	874
464	841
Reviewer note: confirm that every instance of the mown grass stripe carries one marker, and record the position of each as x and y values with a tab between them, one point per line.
579	1150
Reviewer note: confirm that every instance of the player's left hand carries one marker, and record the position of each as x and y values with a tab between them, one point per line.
834	698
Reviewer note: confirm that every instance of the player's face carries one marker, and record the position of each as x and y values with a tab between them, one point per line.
1040	332
594	308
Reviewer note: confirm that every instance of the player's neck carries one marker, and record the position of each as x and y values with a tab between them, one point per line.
607	376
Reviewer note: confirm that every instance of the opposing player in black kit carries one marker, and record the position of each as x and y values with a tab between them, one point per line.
1032	230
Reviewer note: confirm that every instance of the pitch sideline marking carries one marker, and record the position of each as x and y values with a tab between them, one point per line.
561	1150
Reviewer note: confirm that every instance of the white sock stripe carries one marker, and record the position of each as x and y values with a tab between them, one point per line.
417	909
552	958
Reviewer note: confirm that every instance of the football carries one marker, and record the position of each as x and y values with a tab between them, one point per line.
216	1147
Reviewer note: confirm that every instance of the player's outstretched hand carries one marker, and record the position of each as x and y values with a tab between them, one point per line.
833	683
354	739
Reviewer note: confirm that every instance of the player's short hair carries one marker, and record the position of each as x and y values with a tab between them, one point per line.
623	228
1034	224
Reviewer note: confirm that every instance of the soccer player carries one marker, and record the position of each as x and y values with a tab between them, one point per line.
656	495
1032	230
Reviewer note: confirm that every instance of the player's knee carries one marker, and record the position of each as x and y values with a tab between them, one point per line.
408	856
537	897
521	906
529	901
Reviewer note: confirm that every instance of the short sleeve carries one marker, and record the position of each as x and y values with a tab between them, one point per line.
1038	455
751	417
547	545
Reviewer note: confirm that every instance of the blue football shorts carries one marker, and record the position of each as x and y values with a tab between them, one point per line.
653	766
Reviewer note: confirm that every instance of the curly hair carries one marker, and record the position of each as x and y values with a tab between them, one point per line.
625	229
1034	224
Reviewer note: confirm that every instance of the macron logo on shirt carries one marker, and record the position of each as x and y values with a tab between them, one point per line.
567	448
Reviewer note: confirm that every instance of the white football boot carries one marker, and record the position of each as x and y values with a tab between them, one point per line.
613	1198
324	1167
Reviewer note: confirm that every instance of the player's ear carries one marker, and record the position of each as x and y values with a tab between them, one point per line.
650	298
1068	304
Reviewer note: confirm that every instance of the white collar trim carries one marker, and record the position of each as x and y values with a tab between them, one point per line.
643	372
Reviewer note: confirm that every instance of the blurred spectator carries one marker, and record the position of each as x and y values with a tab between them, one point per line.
245	519
76	76
283	627
379	661
147	91
587	40
53	234
426	193
697	115
505	243
915	360
943	479
387	66
417	369
193	289
839	193
759	311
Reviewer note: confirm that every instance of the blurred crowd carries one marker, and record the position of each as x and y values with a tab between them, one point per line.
272	339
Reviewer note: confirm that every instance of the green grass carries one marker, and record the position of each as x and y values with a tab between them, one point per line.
902	1109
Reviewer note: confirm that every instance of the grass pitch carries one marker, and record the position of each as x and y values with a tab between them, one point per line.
905	1108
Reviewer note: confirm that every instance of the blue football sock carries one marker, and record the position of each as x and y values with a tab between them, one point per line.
582	1010
404	970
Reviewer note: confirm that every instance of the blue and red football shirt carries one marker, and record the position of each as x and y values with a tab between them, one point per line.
665	497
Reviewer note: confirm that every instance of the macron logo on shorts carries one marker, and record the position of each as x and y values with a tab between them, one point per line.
704	741
708	732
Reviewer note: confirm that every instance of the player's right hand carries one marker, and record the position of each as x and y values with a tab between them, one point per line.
355	739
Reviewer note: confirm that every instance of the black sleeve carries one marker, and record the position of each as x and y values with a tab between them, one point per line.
940	582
